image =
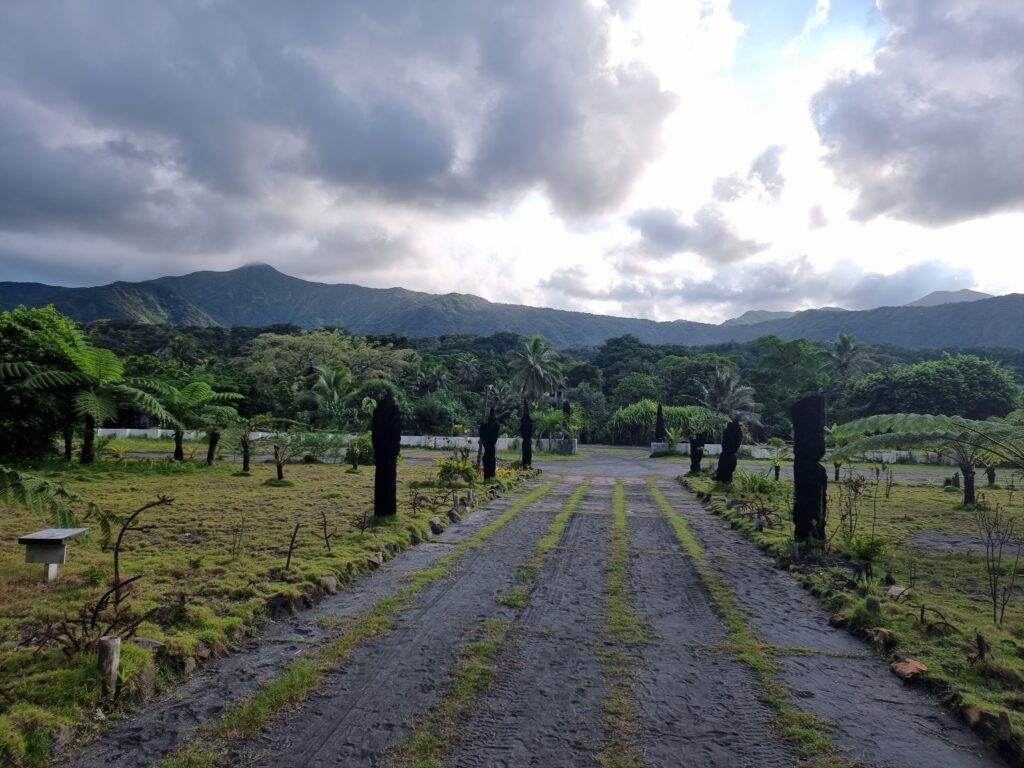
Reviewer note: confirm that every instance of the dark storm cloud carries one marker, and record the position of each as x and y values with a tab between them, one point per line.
173	124
935	133
773	286
710	236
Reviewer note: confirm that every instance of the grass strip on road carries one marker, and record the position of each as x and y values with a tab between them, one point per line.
620	719
247	717
807	733
435	734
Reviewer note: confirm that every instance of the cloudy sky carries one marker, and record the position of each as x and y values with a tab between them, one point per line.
653	158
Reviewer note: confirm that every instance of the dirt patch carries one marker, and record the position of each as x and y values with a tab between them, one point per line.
937	541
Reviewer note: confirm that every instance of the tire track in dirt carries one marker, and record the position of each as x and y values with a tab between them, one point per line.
878	720
544	709
145	737
370	699
700	708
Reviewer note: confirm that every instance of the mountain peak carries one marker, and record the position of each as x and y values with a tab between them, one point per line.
935	298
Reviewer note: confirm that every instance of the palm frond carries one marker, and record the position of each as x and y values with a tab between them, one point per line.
54	502
90	403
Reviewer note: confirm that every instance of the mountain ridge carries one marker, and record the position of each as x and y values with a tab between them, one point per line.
257	295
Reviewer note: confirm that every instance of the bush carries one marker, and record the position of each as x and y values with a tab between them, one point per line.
364	443
453	469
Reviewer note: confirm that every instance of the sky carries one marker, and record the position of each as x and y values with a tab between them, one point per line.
664	159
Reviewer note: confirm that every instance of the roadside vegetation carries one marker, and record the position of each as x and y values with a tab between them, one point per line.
907	565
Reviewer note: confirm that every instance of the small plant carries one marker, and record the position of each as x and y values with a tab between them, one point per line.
237	532
195	563
94	576
997	532
454	469
327	533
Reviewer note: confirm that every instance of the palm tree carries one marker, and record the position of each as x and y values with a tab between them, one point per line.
329	395
843	361
537	369
99	388
724	394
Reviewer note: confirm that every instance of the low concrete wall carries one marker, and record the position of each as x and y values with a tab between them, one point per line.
436	442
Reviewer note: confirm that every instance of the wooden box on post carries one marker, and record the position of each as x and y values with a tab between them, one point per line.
50	548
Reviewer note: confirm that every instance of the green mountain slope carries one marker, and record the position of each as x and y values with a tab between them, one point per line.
260	295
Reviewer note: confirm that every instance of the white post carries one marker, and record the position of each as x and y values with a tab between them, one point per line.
49	571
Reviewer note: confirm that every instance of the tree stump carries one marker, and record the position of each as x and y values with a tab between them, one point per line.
109	662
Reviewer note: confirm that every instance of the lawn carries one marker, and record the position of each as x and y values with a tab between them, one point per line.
210	563
951	585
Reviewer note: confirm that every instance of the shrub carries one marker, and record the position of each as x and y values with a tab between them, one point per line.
453	469
364	442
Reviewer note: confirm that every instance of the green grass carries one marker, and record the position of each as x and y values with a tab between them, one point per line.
952	583
620	720
436	732
305	675
806	733
186	552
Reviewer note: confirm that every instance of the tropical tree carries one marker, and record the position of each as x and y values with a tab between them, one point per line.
536	368
968	443
725	394
197	405
327	396
844	360
29	419
98	386
634	387
957	385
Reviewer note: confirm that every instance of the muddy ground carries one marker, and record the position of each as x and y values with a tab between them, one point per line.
696	704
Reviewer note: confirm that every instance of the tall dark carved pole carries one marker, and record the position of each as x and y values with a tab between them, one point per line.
526	434
810	480
732	436
659	425
386	435
489	440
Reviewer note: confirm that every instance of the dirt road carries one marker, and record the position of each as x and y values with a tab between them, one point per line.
561	689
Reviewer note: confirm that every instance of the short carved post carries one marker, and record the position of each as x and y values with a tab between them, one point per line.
731	439
526	435
109	662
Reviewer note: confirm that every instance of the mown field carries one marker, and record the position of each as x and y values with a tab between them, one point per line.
210	562
927	541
